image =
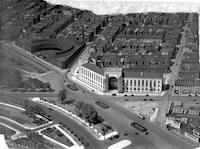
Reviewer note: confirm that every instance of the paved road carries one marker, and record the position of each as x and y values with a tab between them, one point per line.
14	125
120	118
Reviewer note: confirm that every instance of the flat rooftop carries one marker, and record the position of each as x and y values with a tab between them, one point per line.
94	68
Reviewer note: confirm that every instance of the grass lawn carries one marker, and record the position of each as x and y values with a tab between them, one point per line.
16	115
4	130
31	144
55	134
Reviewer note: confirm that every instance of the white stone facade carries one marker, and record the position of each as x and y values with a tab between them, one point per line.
143	85
91	78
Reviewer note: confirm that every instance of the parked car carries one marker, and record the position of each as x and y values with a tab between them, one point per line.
72	87
141	116
101	104
126	99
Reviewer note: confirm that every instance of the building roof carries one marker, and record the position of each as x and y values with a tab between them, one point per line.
94	68
147	75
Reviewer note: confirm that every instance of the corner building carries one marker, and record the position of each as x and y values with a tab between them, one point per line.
93	76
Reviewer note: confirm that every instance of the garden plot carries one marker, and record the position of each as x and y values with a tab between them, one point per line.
18	116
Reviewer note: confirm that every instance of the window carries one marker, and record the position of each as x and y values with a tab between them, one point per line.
146	82
138	82
127	82
142	82
134	82
131	82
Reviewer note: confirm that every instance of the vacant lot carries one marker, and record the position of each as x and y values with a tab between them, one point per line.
145	108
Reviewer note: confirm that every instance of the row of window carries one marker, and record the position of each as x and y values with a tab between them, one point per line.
151	83
130	89
92	81
95	85
91	75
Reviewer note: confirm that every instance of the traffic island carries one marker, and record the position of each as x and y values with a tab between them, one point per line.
96	131
19	116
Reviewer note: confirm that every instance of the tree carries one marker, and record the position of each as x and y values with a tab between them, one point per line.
88	112
62	95
79	105
104	130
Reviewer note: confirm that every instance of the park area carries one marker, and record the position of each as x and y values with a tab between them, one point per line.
21	117
54	133
36	141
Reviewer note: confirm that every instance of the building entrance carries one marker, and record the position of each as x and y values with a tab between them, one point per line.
113	83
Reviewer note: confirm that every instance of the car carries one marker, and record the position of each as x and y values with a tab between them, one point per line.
126	99
138	127
146	133
72	87
113	94
141	116
151	99
137	133
102	105
145	99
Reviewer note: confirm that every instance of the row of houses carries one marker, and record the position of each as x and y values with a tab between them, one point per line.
188	81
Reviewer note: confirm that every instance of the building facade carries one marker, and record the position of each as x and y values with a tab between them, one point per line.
187	87
143	85
120	80
93	76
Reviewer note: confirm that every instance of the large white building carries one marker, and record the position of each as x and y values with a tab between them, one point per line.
92	75
122	80
142	82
